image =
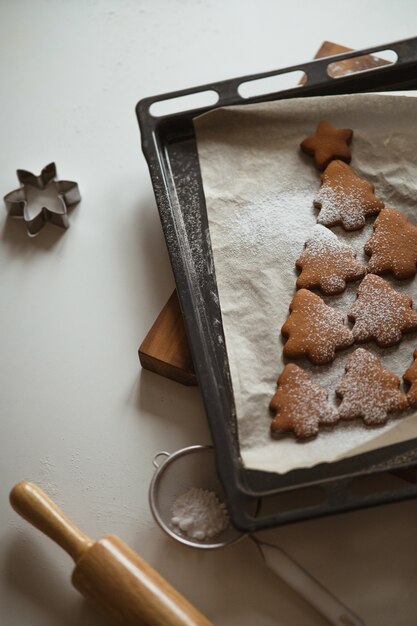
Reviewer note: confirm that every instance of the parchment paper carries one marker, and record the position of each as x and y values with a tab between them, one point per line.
259	189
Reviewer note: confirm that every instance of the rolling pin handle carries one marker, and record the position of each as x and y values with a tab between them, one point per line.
31	503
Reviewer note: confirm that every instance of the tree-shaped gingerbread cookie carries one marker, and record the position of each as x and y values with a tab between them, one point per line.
299	404
344	198
327	263
393	245
368	390
314	329
381	313
410	378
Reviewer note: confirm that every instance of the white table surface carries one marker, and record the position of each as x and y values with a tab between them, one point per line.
78	416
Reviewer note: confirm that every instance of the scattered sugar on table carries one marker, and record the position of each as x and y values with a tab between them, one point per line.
199	514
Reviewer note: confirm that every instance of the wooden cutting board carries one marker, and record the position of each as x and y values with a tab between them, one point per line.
165	349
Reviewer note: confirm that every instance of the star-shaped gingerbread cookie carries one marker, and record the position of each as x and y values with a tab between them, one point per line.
381	313
368	390
327	263
299	404
328	143
393	245
345	198
410	377
314	329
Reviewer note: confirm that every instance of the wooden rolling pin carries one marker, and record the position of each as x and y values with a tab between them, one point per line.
108	571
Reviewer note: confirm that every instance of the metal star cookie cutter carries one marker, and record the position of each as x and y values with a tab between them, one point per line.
42	199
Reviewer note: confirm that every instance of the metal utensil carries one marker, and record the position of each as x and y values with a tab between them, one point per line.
41	199
195	467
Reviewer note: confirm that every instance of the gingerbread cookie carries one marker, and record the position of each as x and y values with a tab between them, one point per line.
328	143
327	263
345	198
368	390
314	329
299	404
410	377
393	245
381	313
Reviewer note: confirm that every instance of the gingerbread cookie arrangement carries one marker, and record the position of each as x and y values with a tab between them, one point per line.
316	330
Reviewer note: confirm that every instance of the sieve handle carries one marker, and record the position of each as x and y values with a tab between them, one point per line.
156	459
308	587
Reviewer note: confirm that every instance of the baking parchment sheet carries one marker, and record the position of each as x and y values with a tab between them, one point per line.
259	189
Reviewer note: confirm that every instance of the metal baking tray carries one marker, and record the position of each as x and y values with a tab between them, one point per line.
168	143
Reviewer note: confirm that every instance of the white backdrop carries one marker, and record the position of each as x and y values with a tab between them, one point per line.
77	414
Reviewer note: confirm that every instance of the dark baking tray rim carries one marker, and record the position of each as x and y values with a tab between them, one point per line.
162	139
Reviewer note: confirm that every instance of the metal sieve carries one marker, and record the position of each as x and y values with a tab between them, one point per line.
194	466
178	472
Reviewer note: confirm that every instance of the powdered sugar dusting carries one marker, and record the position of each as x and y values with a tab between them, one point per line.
345	198
322	240
199	514
337	207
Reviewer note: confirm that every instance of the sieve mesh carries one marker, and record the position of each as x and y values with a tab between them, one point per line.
176	474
